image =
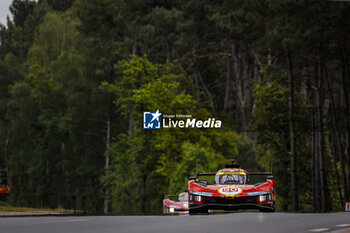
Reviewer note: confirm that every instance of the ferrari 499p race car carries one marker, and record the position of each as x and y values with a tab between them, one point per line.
231	191
4	187
172	206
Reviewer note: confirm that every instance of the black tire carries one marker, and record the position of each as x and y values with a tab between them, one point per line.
197	211
268	210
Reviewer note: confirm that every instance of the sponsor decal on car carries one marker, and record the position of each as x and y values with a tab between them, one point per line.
230	191
203	193
256	193
232	173
174	206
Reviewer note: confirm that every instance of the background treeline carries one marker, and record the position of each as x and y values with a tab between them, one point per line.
75	77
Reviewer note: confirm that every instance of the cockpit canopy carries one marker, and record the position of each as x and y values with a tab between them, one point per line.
231	176
183	197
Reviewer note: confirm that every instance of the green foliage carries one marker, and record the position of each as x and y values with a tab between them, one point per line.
138	81
75	77
45	90
272	130
149	159
57	34
194	158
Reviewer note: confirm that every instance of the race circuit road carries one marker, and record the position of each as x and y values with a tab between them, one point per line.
232	222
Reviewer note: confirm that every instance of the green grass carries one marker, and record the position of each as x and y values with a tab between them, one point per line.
4	207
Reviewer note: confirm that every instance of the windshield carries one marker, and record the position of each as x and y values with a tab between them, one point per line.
231	178
183	197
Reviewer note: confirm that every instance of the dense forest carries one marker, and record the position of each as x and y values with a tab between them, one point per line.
76	76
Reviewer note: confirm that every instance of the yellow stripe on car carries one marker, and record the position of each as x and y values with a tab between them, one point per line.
232	173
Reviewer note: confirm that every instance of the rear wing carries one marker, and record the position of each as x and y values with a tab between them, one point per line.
260	173
248	173
232	165
167	196
172	195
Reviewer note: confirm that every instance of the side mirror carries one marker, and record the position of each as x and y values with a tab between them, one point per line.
205	182
191	178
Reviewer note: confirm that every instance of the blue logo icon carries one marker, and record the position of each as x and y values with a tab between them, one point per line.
151	120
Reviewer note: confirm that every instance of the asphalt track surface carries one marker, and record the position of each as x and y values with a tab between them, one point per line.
232	222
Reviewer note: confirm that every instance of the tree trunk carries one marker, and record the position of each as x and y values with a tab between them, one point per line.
332	152
317	194
131	122
346	90
134	48
228	97
338	140
7	162
241	71
293	170
320	141
198	94
315	177
108	139
209	95
269	56
239	92
246	91
69	188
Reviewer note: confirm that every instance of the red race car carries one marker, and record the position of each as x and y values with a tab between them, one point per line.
231	191
4	187
171	206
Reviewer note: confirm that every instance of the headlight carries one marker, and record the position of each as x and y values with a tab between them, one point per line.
171	210
262	198
195	198
265	197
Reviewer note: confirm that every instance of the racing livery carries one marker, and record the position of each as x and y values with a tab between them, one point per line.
231	191
171	206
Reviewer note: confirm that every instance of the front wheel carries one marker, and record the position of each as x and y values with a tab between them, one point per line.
197	211
267	210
